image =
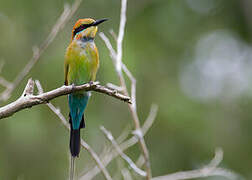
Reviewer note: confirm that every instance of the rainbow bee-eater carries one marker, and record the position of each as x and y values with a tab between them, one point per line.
81	65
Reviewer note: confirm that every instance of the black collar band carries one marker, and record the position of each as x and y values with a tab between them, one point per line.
86	39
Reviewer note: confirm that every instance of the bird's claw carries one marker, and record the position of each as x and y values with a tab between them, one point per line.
91	83
73	87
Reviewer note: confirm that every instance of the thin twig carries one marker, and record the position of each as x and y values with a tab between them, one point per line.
83	143
107	150
133	86
121	153
109	46
121	35
29	100
209	170
37	52
150	119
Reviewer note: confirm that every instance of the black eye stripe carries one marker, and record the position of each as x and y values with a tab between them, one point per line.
81	27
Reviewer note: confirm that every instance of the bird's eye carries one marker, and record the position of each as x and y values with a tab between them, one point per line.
80	28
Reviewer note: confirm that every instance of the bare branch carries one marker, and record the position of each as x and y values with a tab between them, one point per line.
28	90
106	154
109	46
113	86
209	170
199	173
29	100
37	52
150	119
97	159
121	35
107	158
121	153
217	158
113	56
83	143
133	85
146	126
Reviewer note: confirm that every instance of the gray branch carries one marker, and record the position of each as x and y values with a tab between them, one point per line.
121	153
27	99
211	169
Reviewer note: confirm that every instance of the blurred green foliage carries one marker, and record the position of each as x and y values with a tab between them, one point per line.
160	38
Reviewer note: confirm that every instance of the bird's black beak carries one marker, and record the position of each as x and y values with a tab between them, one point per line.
99	21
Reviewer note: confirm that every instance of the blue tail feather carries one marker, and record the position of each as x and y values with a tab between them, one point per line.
77	104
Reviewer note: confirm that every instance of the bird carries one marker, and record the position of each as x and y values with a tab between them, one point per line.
80	66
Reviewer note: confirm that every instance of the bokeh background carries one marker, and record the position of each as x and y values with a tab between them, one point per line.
191	57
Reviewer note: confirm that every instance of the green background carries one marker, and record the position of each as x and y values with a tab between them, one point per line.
162	39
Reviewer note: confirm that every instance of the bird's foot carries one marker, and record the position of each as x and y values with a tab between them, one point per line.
73	87
91	83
